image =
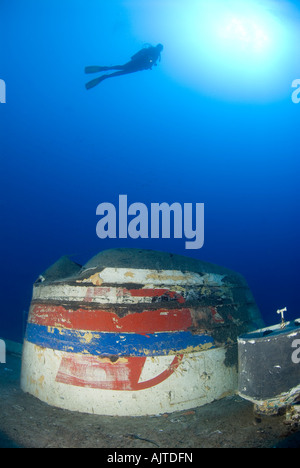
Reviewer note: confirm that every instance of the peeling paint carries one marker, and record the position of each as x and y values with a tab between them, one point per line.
119	340
129	344
94	279
129	274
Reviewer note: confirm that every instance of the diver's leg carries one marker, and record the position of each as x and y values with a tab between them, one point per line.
96	68
126	67
115	67
96	81
119	73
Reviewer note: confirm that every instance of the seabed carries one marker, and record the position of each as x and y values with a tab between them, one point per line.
231	422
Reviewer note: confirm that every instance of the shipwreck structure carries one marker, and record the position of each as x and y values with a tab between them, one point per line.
269	367
135	332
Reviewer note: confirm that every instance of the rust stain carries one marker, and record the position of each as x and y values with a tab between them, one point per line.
94	279
161	277
192	349
41	381
39	352
87	337
52	329
113	362
129	274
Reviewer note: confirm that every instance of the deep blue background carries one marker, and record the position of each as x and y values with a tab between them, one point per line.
64	150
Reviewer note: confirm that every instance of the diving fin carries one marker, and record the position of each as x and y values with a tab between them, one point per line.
95	82
95	69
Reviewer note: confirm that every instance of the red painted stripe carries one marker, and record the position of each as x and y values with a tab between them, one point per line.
146	292
155	293
217	318
148	321
102	373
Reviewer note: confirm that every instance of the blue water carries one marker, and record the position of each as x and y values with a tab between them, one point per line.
165	135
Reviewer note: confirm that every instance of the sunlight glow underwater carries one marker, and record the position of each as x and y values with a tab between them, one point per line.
241	50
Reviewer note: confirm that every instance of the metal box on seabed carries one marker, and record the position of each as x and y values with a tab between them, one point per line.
269	366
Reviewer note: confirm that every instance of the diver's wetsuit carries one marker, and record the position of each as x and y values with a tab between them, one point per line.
142	60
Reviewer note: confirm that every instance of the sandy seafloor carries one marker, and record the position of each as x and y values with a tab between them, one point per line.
26	422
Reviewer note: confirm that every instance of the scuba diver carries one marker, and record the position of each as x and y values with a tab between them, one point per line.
142	60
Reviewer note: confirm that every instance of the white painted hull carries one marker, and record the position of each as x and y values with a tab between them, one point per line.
199	379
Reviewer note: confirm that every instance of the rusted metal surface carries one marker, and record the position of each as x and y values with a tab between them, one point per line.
133	320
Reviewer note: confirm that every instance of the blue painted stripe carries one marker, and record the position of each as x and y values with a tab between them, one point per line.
122	344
